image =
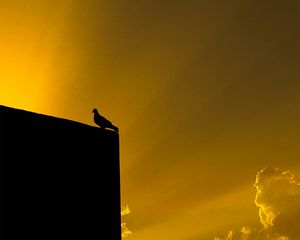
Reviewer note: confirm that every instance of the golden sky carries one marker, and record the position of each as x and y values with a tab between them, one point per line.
205	93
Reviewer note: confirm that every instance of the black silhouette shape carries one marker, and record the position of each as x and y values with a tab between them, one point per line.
59	179
102	121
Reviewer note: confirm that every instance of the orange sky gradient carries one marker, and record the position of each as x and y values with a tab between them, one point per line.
205	93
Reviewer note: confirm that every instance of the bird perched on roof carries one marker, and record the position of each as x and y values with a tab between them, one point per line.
103	122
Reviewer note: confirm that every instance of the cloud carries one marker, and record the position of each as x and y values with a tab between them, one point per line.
125	231
125	210
247	233
278	201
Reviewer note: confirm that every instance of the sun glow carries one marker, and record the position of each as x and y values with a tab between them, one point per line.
23	80
28	46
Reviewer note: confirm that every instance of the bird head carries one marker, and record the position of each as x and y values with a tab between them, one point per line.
95	110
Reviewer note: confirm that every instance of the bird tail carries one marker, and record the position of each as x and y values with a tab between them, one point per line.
115	128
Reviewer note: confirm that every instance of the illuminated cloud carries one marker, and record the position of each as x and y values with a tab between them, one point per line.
278	201
125	231
247	233
228	237
125	210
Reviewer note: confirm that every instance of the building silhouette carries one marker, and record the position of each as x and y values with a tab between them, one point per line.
59	179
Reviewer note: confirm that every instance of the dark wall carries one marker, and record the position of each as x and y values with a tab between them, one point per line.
59	179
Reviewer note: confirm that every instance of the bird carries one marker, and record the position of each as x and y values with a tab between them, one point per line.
102	122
